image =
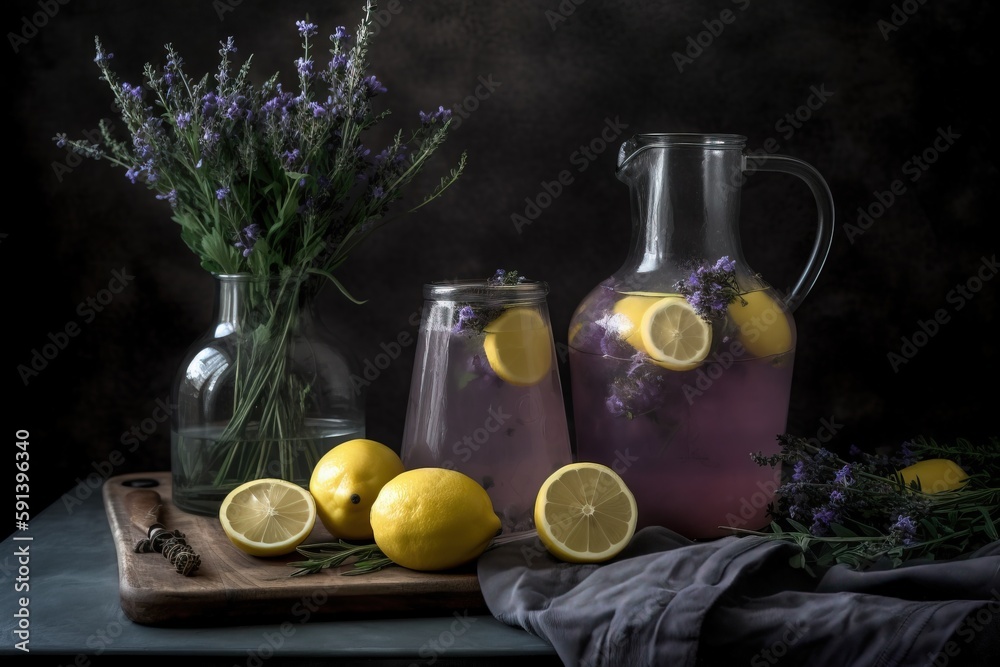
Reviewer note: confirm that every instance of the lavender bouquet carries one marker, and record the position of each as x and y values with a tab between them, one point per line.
923	501
272	182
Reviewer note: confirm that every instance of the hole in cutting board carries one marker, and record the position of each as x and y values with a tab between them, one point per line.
140	483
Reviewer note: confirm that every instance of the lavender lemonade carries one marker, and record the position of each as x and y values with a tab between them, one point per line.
485	396
679	424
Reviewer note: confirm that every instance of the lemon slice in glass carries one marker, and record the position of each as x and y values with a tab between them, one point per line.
518	346
674	335
268	517
584	513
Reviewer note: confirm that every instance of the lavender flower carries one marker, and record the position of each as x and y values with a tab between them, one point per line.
465	316
340	34
134	91
306	29
710	289
170	197
822	518
372	86
905	530
844	476
247	238
503	277
221	193
183	119
304	65
439	116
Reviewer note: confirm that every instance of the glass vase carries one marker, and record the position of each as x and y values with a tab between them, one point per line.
265	392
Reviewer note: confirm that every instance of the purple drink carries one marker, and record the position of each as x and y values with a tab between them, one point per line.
485	397
682	439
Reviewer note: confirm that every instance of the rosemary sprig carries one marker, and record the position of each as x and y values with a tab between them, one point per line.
367	558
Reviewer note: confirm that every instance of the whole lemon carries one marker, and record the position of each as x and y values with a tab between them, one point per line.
935	475
345	483
433	519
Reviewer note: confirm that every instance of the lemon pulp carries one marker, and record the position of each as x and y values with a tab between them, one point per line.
268	517
518	346
585	513
674	334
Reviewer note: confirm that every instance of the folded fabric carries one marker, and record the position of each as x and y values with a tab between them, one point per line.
666	600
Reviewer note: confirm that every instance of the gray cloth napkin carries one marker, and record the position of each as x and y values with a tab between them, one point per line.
668	601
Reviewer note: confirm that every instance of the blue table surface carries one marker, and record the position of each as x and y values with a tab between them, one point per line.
73	610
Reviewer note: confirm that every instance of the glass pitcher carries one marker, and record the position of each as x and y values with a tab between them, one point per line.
681	361
485	396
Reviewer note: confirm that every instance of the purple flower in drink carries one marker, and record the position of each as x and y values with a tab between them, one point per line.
465	315
615	404
710	289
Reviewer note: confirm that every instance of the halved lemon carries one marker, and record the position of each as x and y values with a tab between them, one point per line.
518	346
584	513
764	328
268	517
674	334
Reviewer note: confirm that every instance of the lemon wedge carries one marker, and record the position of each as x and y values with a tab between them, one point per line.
268	517
518	346
584	513
674	335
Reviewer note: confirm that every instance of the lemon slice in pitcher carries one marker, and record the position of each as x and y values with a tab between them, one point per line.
584	513
764	328
518	346
268	517
674	335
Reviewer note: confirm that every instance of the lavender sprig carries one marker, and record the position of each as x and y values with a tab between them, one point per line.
710	289
860	513
226	153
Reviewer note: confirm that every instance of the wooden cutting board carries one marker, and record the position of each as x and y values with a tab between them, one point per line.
231	587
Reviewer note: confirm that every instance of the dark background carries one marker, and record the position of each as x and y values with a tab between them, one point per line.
69	226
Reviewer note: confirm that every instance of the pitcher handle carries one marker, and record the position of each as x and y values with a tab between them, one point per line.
824	224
